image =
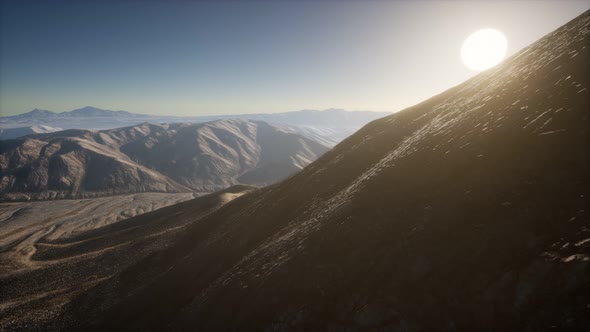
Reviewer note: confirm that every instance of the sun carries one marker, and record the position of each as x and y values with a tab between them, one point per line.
484	49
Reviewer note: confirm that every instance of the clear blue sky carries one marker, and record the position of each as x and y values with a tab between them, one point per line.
198	58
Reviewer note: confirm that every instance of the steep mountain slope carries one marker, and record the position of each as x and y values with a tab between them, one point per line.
148	157
465	212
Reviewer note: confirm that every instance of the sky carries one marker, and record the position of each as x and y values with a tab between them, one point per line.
229	57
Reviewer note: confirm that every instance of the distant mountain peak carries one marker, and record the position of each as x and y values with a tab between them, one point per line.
91	111
36	114
40	111
88	108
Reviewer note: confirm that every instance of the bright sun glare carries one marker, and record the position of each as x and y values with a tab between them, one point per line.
484	49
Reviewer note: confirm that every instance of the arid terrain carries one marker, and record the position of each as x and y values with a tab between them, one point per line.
468	212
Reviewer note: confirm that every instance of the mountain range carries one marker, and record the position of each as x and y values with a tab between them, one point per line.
48	116
202	157
466	212
327	127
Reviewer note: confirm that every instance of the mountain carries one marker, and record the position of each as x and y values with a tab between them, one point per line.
35	114
327	127
465	212
151	158
83	118
90	111
11	133
45	115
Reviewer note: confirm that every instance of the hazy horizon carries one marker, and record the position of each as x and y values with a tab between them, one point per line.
195	59
191	115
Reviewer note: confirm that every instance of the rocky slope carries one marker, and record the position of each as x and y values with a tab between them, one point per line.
151	158
466	212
